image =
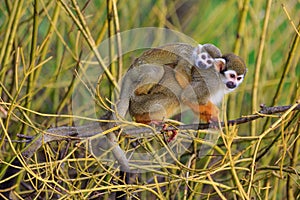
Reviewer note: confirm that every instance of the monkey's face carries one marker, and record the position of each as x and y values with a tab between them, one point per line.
233	72
231	79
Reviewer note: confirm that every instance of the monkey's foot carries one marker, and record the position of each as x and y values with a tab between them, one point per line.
170	134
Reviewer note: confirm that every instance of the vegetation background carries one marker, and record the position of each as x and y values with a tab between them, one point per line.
41	45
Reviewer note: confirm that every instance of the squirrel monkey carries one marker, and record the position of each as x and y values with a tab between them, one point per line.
163	79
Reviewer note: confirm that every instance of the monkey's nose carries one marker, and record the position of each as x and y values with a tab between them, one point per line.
201	65
230	84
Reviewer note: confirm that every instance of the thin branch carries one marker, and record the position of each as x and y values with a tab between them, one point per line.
92	129
86	131
81	132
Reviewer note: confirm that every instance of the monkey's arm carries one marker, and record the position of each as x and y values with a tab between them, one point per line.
199	94
207	112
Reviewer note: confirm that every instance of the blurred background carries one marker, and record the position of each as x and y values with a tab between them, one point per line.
43	42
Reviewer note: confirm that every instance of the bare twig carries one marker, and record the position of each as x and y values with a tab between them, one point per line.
86	131
92	129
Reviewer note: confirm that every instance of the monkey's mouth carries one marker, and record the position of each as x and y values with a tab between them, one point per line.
230	85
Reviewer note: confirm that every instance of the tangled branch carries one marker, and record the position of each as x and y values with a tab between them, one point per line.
60	133
63	133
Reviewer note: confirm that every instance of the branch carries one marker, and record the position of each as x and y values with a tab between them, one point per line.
202	126
92	129
86	131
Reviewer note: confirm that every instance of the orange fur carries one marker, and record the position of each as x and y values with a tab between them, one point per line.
207	112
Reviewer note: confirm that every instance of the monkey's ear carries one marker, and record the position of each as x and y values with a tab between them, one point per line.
219	64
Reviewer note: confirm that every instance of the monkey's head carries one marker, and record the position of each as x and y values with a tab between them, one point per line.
231	68
232	71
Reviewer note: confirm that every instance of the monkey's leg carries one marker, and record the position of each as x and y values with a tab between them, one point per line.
137	81
207	112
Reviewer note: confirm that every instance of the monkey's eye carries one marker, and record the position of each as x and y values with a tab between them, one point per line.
239	78
232	75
